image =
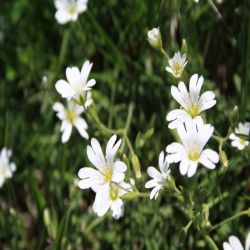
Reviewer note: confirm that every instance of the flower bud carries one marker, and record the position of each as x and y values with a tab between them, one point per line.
234	116
223	158
154	38
184	47
136	165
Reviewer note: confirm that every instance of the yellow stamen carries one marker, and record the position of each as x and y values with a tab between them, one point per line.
194	155
108	175
72	9
193	110
113	192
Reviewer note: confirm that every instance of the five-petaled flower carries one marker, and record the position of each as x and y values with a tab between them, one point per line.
78	85
193	135
68	10
235	244
192	104
177	64
70	116
159	177
107	180
237	142
6	167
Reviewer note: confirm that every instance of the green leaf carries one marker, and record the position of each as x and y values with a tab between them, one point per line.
61	229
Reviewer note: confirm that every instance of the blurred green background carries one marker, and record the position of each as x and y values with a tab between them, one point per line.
112	34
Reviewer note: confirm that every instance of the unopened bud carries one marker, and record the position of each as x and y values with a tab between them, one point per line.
154	38
136	165
46	216
130	196
234	116
184	47
223	158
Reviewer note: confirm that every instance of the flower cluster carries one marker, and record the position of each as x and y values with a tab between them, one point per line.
77	91
107	180
192	131
7	168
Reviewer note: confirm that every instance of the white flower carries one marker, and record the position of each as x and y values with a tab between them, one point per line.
244	129
68	10
177	64
77	85
235	244
108	168
109	196
70	116
159	178
154	38
193	135
192	104
6	167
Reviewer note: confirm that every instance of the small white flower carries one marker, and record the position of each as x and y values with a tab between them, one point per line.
70	116
159	178
108	168
235	244
77	85
68	10
193	135
6	167
109	196
192	104
244	129
154	38
177	64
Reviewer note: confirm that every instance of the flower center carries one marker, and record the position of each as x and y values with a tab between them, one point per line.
72	9
113	192
242	142
194	155
177	68
70	115
193	110
108	175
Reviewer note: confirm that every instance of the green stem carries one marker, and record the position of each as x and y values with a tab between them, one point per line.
211	242
244	212
163	51
64	46
218	199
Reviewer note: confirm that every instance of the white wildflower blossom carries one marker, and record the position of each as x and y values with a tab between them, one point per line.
70	117
235	244
154	38
192	104
193	135
6	167
109	197
244	129
77	85
108	169
159	177
68	10
177	64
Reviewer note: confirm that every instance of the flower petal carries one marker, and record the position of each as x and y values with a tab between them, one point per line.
208	158
235	243
81	126
64	89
